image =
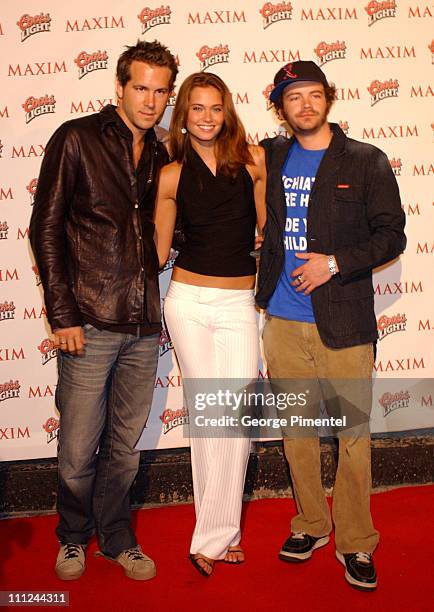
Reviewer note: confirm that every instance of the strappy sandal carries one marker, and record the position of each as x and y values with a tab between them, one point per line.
195	561
235	549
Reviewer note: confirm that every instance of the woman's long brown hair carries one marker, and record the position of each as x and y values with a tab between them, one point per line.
231	148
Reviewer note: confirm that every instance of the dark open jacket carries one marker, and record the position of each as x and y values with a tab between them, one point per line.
354	214
91	236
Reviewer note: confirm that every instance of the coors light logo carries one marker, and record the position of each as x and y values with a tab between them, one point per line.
37	276
396	165
165	342
326	52
344	127
51	427
173	418
31	188
389	325
393	401
149	18
4	229
88	62
208	56
380	90
47	350
266	93
9	390
7	311
272	13
380	10
431	48
33	25
35	107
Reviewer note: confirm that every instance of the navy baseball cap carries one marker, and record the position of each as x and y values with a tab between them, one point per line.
296	72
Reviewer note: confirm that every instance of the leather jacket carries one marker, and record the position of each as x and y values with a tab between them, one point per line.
354	214
91	232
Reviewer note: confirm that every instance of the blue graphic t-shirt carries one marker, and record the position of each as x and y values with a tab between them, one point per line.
298	176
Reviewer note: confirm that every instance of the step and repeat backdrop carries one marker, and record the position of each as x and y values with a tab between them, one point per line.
57	63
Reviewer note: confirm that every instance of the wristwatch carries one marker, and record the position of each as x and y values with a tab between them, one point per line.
332	265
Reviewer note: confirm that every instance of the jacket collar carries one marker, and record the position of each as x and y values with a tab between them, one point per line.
109	116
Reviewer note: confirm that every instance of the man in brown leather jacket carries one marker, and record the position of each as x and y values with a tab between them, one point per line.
92	236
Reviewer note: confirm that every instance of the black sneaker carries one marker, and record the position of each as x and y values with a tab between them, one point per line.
300	546
359	570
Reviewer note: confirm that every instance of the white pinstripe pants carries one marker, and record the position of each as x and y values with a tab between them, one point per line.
215	335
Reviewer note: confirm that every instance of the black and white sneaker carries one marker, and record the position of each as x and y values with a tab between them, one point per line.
359	570
300	546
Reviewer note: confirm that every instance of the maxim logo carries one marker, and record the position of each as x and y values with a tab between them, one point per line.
12	354
209	56
35	107
7	311
389	325
8	275
32	313
95	23
89	62
173	418
399	288
216	17
51	427
394	52
47	350
394	401
172	99
344	127
31	188
396	165
31	151
426	325
272	13
6	193
390	131
421	11
425	248
396	365
380	10
337	13
36	69
431	48
168	381
33	25
380	90
14	433
9	390
423	170
90	106
149	18
271	55
36	273
326	52
421	92
165	342
4	229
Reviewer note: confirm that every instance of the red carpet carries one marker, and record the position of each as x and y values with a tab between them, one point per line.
404	560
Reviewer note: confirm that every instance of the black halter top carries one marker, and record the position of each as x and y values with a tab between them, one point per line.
218	218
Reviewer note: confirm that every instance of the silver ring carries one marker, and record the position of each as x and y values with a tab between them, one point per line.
300	278
63	342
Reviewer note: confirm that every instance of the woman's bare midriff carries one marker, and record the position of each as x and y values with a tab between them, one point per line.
218	282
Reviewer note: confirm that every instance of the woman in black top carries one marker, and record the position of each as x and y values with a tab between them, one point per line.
216	186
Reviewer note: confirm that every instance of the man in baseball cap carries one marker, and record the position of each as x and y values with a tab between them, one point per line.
333	214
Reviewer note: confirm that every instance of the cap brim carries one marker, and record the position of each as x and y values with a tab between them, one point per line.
278	90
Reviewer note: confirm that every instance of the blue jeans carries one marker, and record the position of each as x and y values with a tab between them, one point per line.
104	399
